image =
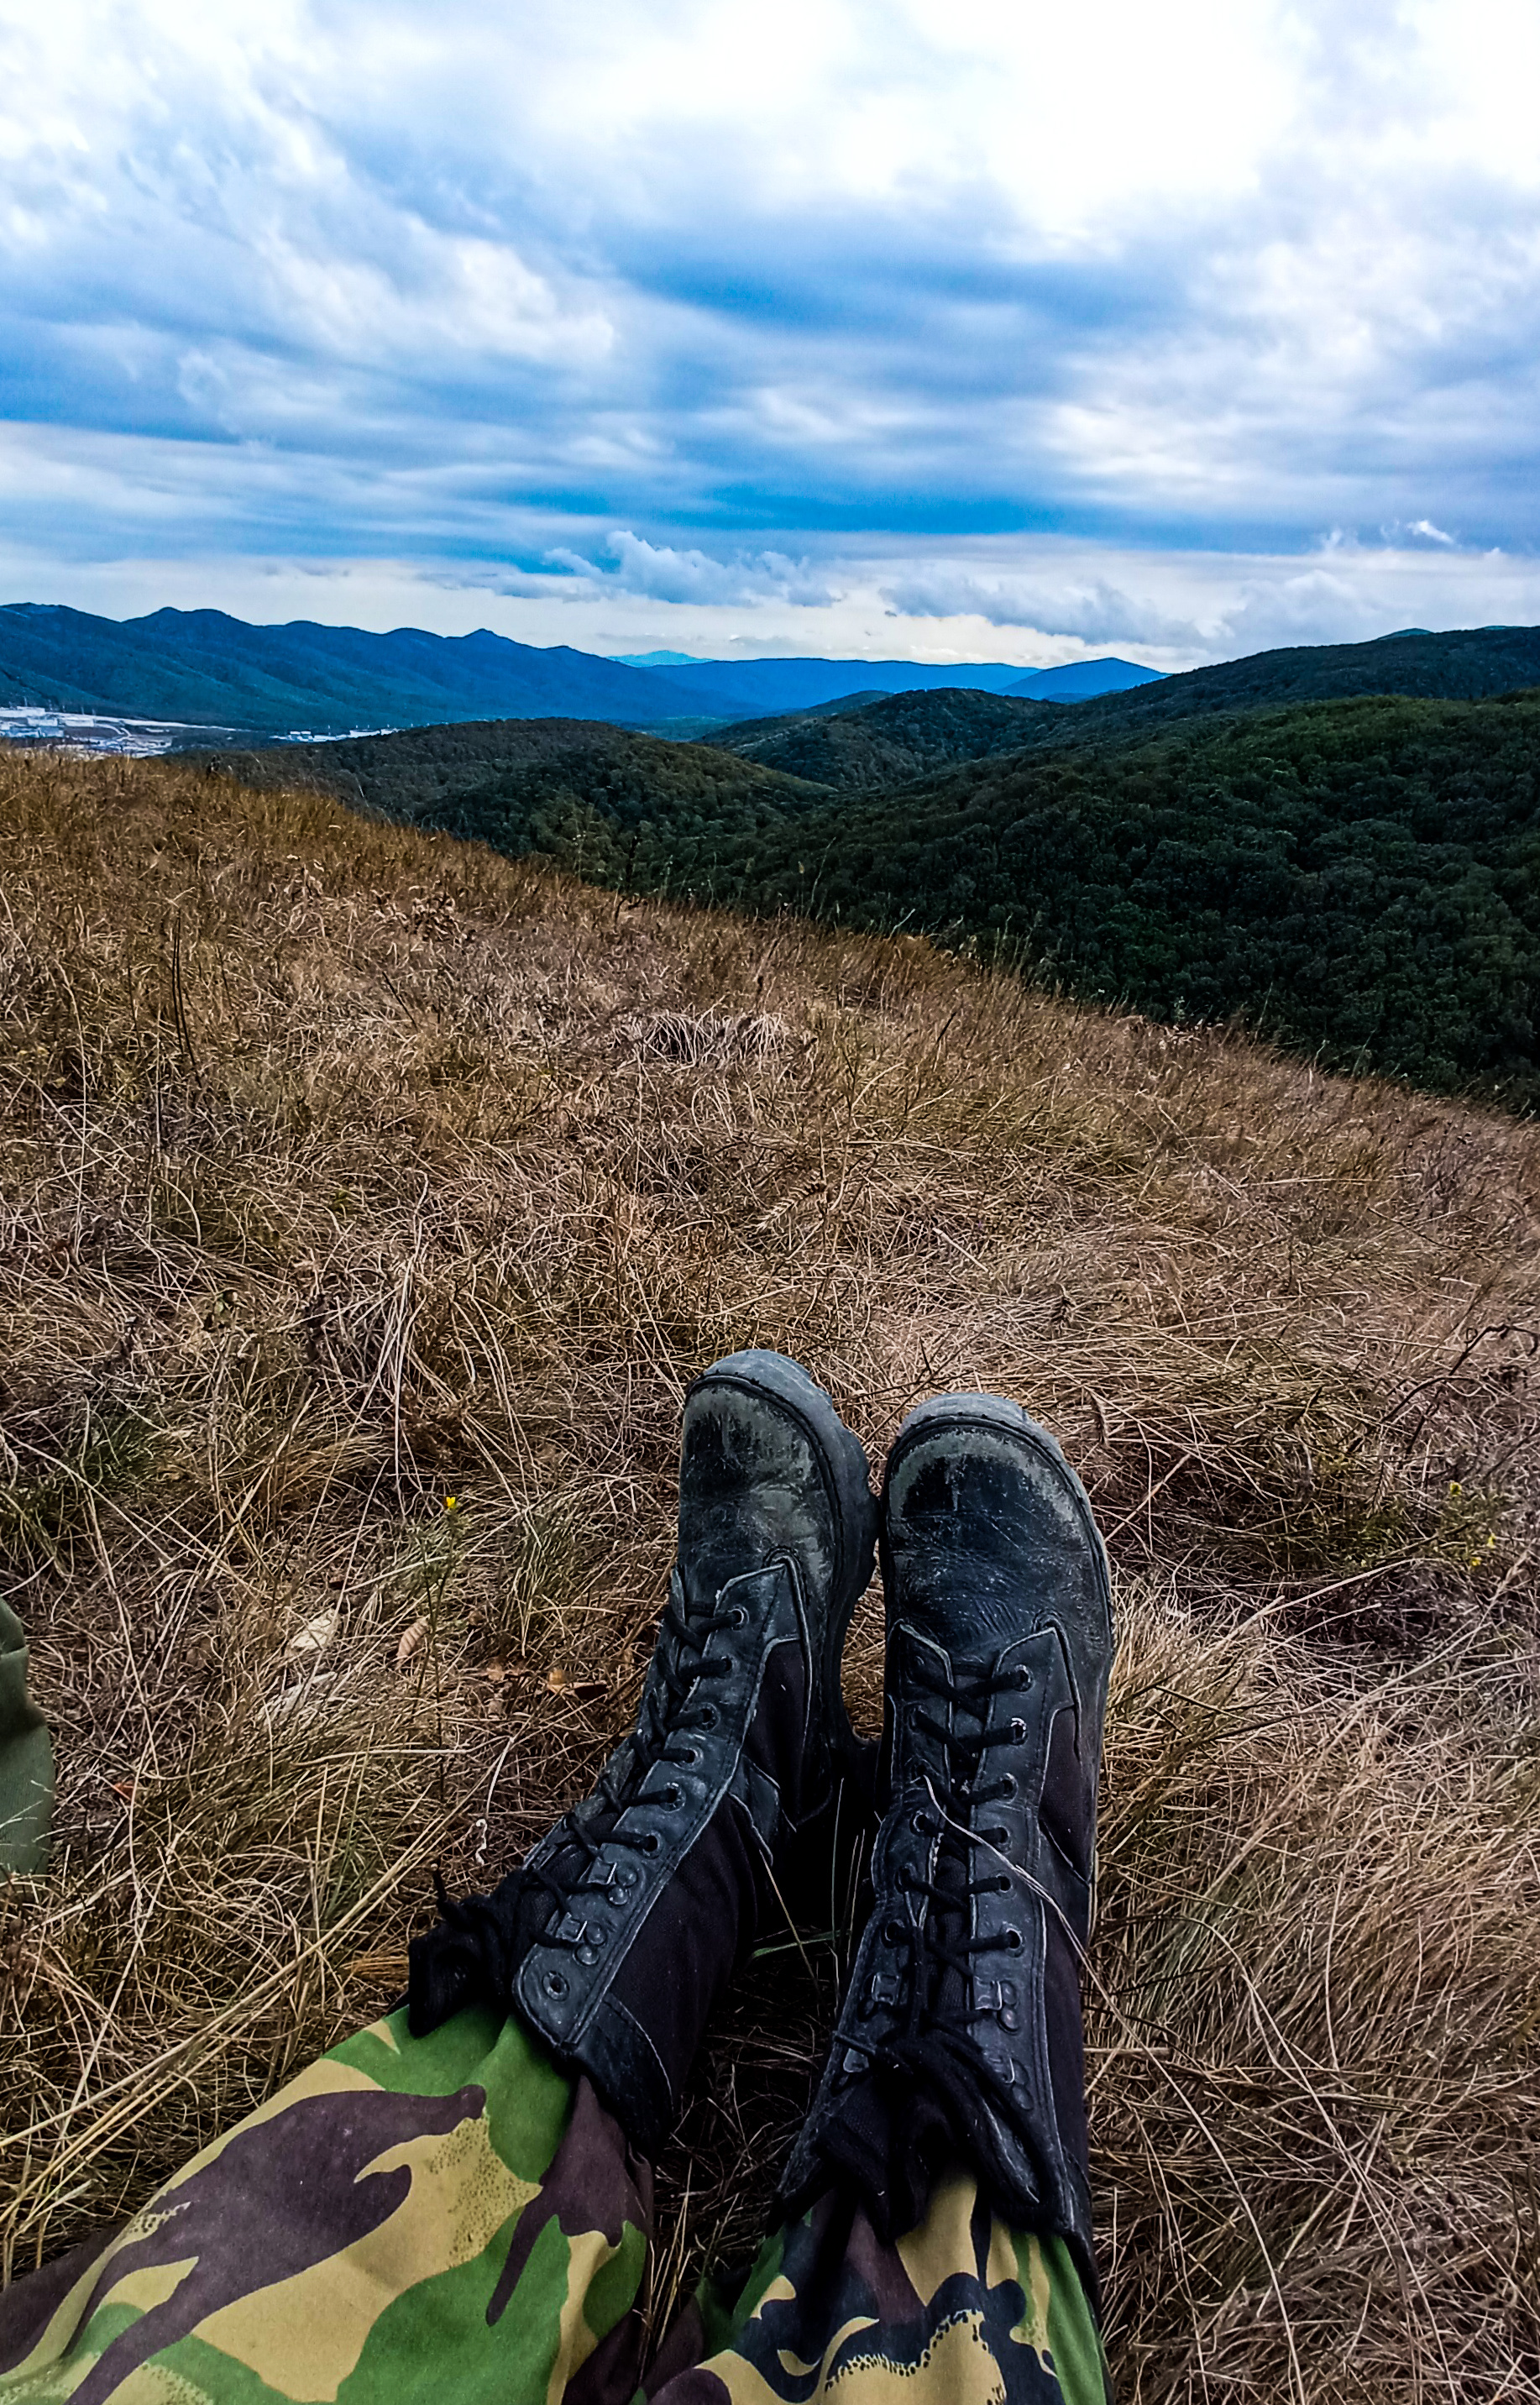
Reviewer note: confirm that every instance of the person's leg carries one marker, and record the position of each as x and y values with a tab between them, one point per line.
410	2218
446	2204
939	2227
961	2308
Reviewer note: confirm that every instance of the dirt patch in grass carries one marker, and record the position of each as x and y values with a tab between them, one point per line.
347	1171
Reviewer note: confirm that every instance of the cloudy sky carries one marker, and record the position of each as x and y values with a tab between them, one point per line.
937	329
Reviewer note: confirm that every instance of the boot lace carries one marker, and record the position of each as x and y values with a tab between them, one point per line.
937	2040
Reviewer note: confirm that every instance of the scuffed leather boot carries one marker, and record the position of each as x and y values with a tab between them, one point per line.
615	1939
960	2037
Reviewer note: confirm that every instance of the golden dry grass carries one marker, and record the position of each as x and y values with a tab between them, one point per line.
346	1170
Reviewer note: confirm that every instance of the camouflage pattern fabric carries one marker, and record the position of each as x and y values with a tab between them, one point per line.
410	2220
963	2312
450	2218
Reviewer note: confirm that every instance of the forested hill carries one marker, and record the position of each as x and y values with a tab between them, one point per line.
1359	880
869	744
202	668
891	741
1466	665
525	774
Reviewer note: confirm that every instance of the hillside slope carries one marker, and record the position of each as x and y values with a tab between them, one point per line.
349	1169
527	776
1361	879
890	742
1466	665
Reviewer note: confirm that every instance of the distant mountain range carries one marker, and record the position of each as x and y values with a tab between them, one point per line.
766	689
219	675
205	670
209	670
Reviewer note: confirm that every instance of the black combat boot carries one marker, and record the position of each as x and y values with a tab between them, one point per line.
959	2038
615	1939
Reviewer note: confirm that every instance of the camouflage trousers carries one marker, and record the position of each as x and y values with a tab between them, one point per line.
451	2220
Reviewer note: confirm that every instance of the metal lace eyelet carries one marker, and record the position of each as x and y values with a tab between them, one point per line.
652	1843
1014	1941
672	1797
554	1984
1008	1784
994	1836
1018	1732
920	1824
892	1933
709	1716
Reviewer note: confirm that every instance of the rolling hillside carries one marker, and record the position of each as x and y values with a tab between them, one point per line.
1359	880
1467	665
873	745
519	771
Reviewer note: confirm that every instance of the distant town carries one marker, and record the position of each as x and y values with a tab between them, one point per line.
83	731
79	731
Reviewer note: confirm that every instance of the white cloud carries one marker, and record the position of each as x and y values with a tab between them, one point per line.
688	306
660	573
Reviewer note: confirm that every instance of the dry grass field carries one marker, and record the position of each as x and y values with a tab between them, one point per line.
365	1204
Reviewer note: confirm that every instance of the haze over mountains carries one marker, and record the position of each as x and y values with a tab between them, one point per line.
207	669
760	687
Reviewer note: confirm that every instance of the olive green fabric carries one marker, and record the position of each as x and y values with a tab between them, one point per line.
410	2220
26	1759
419	2220
962	2310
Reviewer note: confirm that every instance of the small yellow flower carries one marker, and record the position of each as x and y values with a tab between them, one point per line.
1454	1486
451	1502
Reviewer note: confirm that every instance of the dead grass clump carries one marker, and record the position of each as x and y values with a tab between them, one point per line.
348	1172
710	1036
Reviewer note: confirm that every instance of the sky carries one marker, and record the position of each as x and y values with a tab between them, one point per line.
914	329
